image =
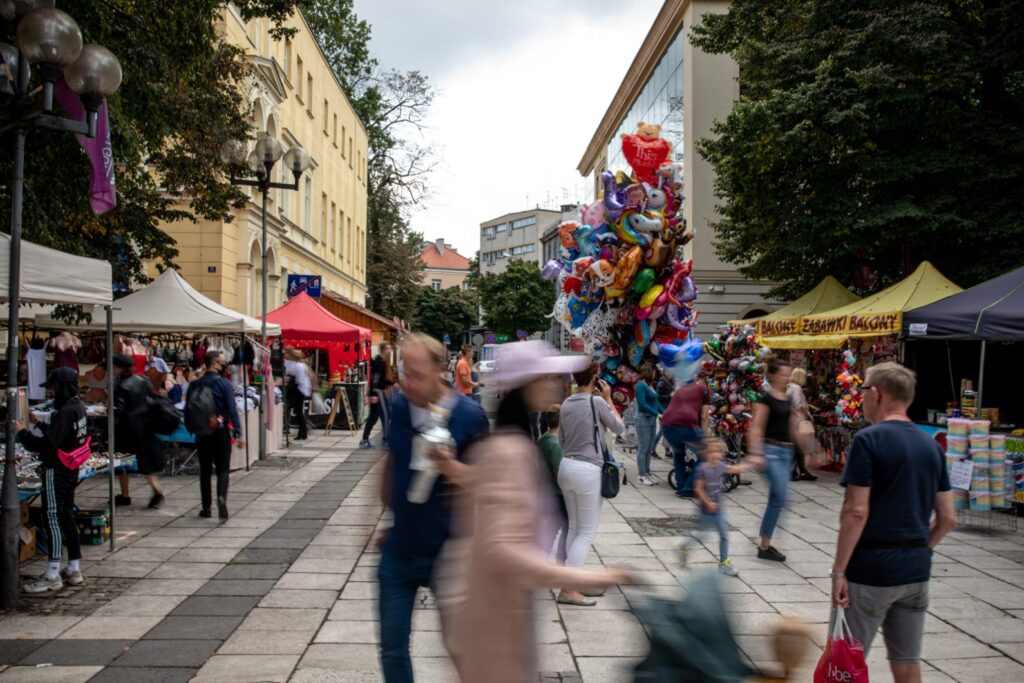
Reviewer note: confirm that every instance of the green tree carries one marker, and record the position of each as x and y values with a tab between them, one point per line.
392	106
870	135
473	278
184	92
448	311
518	299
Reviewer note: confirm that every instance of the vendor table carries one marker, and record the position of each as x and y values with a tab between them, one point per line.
182	437
121	465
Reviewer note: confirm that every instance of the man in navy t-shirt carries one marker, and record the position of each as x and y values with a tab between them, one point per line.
419	531
895	478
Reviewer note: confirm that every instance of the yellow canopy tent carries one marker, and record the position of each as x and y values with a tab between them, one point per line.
826	296
873	316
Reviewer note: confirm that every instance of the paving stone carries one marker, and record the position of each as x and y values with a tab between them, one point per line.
23	626
267	555
982	669
167	653
217	586
77	652
314	675
266	643
140	606
220	555
246	668
248	572
305	581
165	587
348	632
341	657
148	674
14	650
355	610
216	605
281	597
118	628
186	570
50	674
194	628
282	619
607	669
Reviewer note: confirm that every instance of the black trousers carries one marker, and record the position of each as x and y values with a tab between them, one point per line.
59	511
214	454
378	411
296	404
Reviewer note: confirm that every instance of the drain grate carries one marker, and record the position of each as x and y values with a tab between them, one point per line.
662	526
282	463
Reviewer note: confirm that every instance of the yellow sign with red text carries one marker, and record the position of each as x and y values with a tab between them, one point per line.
854	325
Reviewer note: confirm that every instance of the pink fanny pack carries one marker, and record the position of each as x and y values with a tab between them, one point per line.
75	458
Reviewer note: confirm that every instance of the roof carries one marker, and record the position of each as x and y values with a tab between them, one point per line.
49	276
334	296
526	212
873	316
825	296
449	260
302	317
991	311
170	304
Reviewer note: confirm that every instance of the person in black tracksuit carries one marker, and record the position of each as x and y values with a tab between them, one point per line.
376	396
66	432
215	449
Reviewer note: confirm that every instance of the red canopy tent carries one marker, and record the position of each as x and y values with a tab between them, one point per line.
305	324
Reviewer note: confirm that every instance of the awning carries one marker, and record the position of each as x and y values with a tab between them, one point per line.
305	324
991	311
49	276
876	315
827	295
170	304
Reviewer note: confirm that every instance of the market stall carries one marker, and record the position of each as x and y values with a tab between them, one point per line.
48	276
306	325
827	295
171	306
975	334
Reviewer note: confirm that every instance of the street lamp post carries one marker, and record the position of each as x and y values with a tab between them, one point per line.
260	163
48	42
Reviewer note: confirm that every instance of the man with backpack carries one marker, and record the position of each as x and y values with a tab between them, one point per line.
62	448
132	430
211	415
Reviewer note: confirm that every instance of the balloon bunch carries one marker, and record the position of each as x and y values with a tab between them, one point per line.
622	289
848	384
735	376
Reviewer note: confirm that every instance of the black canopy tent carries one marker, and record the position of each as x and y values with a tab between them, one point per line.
990	312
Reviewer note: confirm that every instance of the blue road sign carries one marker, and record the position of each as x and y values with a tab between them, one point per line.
310	284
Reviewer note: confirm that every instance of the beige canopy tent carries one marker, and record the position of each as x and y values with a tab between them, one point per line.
873	316
170	304
49	276
827	295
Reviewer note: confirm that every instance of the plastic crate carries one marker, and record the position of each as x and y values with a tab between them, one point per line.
93	526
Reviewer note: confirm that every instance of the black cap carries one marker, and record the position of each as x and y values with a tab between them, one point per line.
123	361
60	376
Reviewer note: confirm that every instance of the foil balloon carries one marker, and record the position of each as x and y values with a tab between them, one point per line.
658	253
565	231
552	270
634	353
645	151
644	280
581	265
605	236
626	375
572	285
594	215
622	396
678	317
586	241
614	198
578	311
626	268
657	199
651	295
683	361
603	272
643	330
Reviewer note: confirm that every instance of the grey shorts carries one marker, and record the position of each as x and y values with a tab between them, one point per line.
899	610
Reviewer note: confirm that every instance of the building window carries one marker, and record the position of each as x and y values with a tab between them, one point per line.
309	93
523	222
502	228
349	240
323	217
288	59
334	131
307	219
343	142
436	284
524	249
334	227
359	165
350	152
298	77
325	117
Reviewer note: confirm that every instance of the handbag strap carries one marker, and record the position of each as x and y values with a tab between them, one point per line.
602	451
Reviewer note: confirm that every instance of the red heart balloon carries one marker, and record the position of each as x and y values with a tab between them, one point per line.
645	155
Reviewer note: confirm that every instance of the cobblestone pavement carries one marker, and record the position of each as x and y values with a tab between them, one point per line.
285	590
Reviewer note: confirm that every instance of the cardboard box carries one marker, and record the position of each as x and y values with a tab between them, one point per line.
27	549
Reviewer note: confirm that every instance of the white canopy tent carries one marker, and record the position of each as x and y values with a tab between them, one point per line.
49	276
169	304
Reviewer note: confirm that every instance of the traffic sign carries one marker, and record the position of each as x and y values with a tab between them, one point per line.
310	284
447	340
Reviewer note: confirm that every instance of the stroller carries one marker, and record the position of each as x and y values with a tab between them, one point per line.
733	456
692	642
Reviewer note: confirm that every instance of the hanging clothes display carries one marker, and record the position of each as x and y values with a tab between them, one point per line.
64	347
35	359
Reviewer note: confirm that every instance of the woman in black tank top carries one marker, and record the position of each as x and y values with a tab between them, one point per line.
770	443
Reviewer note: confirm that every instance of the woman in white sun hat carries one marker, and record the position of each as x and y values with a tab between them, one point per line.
506	560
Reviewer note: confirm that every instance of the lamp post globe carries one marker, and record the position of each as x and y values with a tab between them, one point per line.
49	36
269	150
96	72
297	160
255	164
16	8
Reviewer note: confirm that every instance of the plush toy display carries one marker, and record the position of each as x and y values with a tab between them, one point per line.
735	376
848	384
623	288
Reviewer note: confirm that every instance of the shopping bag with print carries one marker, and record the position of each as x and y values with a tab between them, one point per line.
843	659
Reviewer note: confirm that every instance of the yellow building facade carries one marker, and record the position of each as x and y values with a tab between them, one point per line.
320	229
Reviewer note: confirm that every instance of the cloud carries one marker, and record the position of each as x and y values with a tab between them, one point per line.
522	88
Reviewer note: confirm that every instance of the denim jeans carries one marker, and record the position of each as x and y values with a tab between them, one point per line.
646	428
679	438
779	462
715	520
399	579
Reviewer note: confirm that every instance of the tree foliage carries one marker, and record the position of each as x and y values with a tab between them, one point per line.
446	312
392	106
870	136
518	299
182	95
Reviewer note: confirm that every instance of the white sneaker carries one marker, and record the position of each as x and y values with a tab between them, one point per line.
650	481
71	578
728	568
43	584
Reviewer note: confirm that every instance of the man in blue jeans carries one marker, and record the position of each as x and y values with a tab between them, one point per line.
684	424
413	543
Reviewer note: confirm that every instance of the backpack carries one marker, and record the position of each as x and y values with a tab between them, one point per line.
163	416
200	409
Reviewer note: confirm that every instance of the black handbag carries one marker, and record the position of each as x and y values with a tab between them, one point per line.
164	418
610	469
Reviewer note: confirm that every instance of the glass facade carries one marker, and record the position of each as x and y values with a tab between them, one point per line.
660	101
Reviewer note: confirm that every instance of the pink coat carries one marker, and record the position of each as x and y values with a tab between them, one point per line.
503	563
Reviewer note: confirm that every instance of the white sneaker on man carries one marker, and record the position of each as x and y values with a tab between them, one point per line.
43	584
651	481
71	578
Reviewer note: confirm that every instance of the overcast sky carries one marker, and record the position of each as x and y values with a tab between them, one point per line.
522	86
